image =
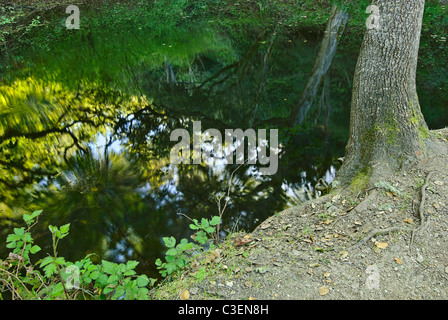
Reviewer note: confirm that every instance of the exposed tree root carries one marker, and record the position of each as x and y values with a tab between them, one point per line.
423	221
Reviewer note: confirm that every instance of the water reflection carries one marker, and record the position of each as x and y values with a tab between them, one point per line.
114	181
120	191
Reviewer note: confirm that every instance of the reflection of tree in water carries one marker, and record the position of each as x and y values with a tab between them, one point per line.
224	96
98	196
138	87
122	204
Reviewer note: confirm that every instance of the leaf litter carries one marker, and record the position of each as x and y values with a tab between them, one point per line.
312	259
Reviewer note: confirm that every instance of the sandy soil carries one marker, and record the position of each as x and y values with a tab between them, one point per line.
372	244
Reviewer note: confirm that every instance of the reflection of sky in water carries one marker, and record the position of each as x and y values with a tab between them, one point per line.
98	146
297	193
239	217
217	162
254	196
118	251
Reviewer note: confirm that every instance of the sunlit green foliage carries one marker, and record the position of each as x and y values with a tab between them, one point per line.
55	278
178	254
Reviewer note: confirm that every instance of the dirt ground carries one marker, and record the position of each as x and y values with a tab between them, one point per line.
332	247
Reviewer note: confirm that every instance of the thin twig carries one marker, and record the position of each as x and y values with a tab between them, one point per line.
55	244
18	279
180	294
183	214
221	212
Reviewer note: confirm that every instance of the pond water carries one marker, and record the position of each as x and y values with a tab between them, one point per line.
124	93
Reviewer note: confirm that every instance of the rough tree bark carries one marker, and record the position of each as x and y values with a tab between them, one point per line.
387	128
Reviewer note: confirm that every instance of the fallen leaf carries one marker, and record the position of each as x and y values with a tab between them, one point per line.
195	264
323	291
185	295
212	256
408	220
439	183
381	245
344	254
252	298
398	260
241	241
335	199
326	274
265	226
350	208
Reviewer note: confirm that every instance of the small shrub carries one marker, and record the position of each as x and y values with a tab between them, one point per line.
177	256
55	278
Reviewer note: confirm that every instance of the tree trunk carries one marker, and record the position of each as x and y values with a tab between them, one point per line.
387	128
334	30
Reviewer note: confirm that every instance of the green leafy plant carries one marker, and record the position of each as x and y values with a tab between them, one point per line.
17	274
205	228
178	255
62	279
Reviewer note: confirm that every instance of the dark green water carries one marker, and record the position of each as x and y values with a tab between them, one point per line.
130	89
